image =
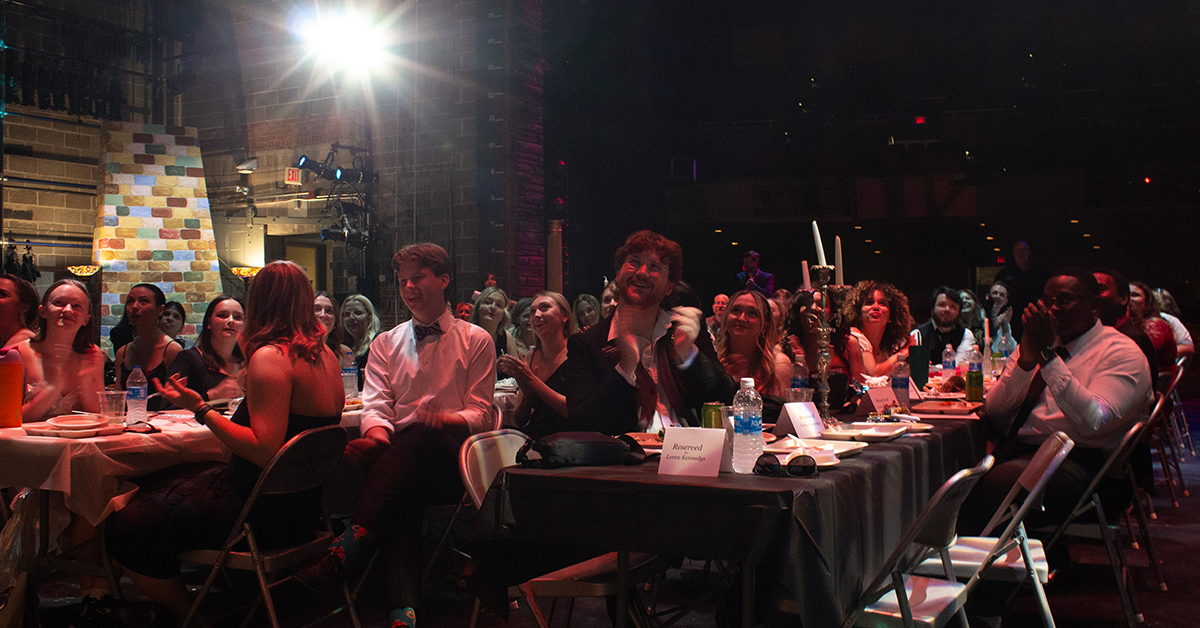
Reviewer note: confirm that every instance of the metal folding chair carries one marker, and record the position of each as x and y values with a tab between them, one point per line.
1015	556
480	459
1107	526
1178	419
898	597
302	464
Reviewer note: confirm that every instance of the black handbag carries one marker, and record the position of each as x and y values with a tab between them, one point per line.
581	449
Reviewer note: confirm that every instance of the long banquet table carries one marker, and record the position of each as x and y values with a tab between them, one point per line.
818	541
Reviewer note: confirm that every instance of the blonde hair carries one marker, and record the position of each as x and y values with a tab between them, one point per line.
362	344
763	371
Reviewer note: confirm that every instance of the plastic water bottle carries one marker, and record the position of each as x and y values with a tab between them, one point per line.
799	376
747	427
899	377
135	397
1002	347
975	375
948	358
350	376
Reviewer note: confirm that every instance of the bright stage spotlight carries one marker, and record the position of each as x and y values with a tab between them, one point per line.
347	42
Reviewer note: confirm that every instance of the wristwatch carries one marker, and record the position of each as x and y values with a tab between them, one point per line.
1047	355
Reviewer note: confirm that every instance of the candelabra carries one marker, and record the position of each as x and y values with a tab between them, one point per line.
831	299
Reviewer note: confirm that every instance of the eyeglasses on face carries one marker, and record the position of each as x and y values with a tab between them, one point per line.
653	266
798	467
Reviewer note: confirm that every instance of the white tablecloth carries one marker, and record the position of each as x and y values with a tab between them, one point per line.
92	473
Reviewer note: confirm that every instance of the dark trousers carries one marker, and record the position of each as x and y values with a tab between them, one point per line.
419	469
1063	490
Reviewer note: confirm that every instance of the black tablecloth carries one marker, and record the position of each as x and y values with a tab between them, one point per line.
842	525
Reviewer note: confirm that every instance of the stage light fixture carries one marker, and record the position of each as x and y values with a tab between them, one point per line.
348	175
346	42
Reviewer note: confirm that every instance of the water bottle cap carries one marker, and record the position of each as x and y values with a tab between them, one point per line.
137	366
747	382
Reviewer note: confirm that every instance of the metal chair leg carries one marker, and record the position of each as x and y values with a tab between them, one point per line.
1120	570
1147	540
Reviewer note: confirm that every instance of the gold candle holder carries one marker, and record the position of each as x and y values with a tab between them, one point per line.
831	299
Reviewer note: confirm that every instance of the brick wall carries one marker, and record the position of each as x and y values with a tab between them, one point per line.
152	223
54	149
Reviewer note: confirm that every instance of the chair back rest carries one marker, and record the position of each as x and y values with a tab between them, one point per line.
1181	364
1162	408
1032	481
934	527
303	463
483	455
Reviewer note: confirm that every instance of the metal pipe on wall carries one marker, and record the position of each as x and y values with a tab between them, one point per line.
554	249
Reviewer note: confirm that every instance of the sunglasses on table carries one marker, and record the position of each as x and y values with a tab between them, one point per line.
798	467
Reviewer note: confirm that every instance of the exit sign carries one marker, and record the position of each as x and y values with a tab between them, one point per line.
291	176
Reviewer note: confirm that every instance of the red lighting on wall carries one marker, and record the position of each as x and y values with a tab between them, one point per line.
1147	179
920	120
999	259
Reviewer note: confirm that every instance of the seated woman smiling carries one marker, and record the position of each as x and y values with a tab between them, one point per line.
63	369
746	344
211	367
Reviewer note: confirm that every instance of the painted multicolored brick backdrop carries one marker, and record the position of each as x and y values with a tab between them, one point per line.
152	220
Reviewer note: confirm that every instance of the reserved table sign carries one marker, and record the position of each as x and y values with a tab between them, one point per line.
801	419
876	400
692	451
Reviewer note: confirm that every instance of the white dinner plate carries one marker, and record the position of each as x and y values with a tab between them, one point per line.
841	449
912	427
78	422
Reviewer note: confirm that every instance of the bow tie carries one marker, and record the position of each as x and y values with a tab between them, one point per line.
421	331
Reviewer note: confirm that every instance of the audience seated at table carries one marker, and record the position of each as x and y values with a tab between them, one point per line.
171	322
999	310
519	328
1094	384
644	366
429	385
800	342
491	314
63	369
1144	311
293	383
587	311
150	348
211	367
18	310
542	402
746	344
878	321
330	316
362	325
944	328
970	314
718	308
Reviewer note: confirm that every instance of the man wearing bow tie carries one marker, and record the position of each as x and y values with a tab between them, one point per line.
429	385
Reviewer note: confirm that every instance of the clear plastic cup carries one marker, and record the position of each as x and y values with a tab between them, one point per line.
112	406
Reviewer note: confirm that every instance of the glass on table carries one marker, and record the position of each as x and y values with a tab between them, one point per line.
112	406
799	395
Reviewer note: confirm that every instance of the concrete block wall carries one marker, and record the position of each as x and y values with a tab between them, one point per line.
152	220
48	149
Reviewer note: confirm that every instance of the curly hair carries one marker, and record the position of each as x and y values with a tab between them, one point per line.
764	371
900	320
668	251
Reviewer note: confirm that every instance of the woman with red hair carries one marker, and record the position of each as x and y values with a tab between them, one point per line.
293	383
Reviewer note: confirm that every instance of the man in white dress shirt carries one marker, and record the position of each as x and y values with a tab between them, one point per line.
429	385
1088	380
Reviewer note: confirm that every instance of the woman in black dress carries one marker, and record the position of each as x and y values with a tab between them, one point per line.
212	366
293	383
542	408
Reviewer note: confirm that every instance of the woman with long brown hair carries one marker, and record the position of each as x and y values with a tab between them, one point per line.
211	367
293	383
746	344
878	321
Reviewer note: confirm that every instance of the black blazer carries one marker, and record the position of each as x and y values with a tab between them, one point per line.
600	399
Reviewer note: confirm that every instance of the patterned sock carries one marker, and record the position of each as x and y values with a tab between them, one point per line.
403	618
353	544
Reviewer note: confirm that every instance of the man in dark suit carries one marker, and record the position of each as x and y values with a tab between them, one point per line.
644	366
753	278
